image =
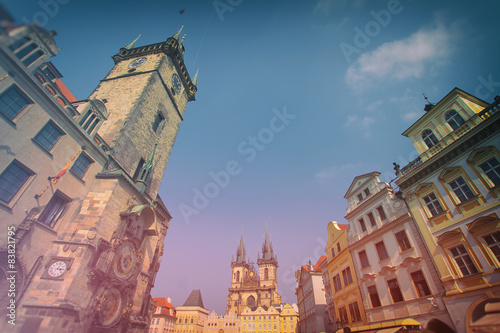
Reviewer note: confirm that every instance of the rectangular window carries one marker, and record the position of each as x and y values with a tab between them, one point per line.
333	252
336	282
372	219
12	102
48	136
395	291
26	50
382	252
360	197
493	242
54	210
372	291
463	260
346	274
32	58
461	189
338	247
420	284
381	213
18	43
343	315
12	180
363	259
367	192
159	118
81	165
492	170
362	224
433	204
355	314
403	241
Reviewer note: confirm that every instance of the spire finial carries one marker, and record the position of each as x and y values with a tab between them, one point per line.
195	78
131	45
429	105
177	35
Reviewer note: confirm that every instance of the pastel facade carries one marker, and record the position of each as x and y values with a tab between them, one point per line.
192	315
164	316
282	318
313	313
89	240
229	323
397	278
346	308
452	189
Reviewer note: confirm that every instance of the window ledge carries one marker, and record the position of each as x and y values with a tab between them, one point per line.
77	177
45	227
437	216
42	148
410	250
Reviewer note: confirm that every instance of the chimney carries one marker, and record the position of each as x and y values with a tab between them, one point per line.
169	299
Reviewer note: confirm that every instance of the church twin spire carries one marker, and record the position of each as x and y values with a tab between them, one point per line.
267	251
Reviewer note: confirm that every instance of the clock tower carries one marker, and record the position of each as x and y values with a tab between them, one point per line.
97	275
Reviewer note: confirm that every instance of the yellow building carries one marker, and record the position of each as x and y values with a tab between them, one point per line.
346	303
192	315
229	323
263	319
452	189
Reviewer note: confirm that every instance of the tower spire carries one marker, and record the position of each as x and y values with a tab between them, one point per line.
195	82
131	45
241	252
267	249
177	35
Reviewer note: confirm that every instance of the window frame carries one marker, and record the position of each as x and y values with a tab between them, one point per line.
22	187
402	240
425	189
363	260
347	276
395	291
371	218
23	108
429	135
418	280
381	213
355	313
478	158
337	283
58	214
373	295
381	251
362	225
56	141
159	118
450	175
452	118
73	166
464	254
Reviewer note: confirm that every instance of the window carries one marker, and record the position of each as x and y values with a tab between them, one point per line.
338	247
362	224
372	219
492	170
25	51
429	138
12	101
420	284
343	315
382	252
336	282
372	291
266	274
360	197
346	274
32	58
403	241
381	213
158	119
433	204
454	119
54	210
463	260
461	189
367	192
12	180
363	259
48	136
355	314
493	242
18	43
333	252
81	165
395	291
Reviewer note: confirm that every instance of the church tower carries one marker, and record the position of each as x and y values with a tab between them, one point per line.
240	267
268	264
96	276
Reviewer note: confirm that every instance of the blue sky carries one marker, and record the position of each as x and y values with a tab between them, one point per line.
295	98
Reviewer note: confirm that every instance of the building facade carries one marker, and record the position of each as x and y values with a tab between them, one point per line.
397	278
453	189
249	288
192	315
164	316
229	323
79	183
282	318
311	301
346	306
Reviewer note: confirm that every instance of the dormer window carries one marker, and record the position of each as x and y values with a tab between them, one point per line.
429	138
454	119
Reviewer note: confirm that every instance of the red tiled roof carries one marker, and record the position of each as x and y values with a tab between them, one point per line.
320	260
65	91
165	305
343	226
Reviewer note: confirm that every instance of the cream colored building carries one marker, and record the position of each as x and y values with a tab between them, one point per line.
453	190
164	316
192	315
396	275
229	323
282	318
311	301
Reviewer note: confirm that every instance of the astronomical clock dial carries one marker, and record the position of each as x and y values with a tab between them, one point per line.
57	269
111	307
125	260
176	81
137	62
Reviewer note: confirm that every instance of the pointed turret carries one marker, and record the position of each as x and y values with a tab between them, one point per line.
195	78
267	249
177	35
131	45
241	252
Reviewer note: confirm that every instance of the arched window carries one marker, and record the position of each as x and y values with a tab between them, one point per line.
266	274
454	119
429	138
251	301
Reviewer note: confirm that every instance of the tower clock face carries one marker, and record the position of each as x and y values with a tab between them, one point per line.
125	260
177	83
137	62
57	269
111	307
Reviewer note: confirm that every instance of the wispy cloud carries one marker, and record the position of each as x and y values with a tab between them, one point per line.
401	59
361	124
337	171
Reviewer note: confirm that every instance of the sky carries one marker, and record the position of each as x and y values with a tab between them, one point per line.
295	99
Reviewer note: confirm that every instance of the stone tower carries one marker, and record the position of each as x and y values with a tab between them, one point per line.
249	288
96	276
